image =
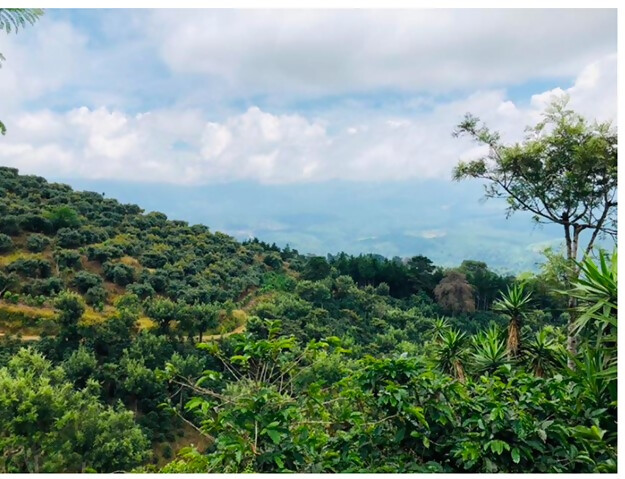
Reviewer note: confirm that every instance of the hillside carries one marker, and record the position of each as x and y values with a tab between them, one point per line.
181	349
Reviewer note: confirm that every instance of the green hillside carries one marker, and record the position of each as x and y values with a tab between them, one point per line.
130	341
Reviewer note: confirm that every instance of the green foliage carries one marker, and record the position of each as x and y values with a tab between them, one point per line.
515	305
452	353
70	307
37	242
341	364
14	18
63	217
46	425
83	281
490	352
6	243
597	292
33	267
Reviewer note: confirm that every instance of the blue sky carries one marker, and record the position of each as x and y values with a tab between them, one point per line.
220	106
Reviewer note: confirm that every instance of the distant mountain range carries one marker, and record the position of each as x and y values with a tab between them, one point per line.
448	222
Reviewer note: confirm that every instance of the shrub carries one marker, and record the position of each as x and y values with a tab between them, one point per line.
273	260
119	273
84	281
63	217
35	223
45	287
67	258
69	238
31	267
6	243
9	225
95	296
37	242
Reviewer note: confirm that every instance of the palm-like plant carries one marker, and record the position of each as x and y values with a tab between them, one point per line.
441	324
514	304
544	354
13	19
596	292
489	351
451	353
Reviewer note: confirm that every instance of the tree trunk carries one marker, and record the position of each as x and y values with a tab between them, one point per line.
460	372
514	339
571	340
571	253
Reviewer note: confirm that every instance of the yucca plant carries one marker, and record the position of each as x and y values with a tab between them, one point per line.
544	354
514	304
489	351
451	353
596	292
440	324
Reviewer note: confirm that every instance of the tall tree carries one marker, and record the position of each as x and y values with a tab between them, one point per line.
455	294
564	172
13	19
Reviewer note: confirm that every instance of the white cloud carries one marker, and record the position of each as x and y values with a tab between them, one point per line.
276	148
318	52
39	61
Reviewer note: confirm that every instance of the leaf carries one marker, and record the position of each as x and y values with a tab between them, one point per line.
542	434
274	435
516	455
498	446
279	462
194	403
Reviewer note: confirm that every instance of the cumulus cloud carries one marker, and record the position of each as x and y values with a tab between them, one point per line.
40	61
80	105
321	52
181	146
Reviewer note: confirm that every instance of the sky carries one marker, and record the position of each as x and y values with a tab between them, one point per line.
325	129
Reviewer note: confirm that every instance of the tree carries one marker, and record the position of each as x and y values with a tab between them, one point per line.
13	18
514	304
198	318
63	217
163	311
316	268
564	172
71	307
455	294
48	426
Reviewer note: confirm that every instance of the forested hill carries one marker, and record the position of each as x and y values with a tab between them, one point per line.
183	350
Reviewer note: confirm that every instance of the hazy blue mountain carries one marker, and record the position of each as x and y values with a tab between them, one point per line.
445	221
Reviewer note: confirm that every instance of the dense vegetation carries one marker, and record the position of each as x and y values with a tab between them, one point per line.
134	342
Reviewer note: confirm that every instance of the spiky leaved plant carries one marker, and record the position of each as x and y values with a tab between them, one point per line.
489	352
13	19
451	353
440	325
514	304
543	353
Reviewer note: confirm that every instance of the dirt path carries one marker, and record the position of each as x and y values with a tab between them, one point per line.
211	337
25	337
